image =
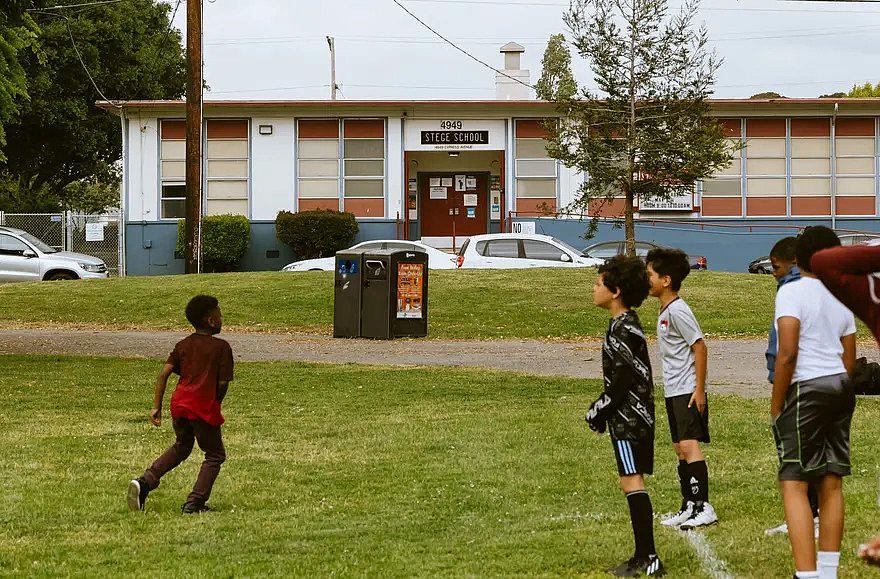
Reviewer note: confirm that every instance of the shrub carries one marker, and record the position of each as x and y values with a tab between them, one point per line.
318	233
225	239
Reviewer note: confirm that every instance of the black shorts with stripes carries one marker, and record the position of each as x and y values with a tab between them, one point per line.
634	456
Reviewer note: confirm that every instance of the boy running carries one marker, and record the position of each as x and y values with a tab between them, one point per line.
626	406
812	407
204	364
684	357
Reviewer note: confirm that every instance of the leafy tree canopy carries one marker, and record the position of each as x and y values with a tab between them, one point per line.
768	95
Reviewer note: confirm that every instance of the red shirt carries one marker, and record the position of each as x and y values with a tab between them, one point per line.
202	362
850	273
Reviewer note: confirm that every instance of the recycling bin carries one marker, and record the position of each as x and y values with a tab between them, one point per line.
347	287
394	299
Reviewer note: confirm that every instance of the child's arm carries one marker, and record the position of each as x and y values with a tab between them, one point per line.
701	361
159	394
849	353
786	359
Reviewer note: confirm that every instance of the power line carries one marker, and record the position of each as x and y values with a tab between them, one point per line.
702	8
66	6
85	68
458	48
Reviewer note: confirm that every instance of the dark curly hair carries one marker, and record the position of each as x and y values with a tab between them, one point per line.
199	308
627	274
671	262
785	249
813	239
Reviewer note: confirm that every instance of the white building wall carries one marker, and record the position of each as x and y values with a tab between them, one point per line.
143	168
570	181
272	168
394	169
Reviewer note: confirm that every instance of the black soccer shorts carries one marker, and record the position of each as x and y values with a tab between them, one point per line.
687	423
634	456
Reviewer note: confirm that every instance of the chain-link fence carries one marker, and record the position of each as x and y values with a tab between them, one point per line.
96	235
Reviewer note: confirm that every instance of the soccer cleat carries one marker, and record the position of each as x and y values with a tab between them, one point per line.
703	516
137	494
678	518
192	507
778	529
649	566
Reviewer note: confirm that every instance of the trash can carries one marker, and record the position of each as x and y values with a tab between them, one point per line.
394	302
347	294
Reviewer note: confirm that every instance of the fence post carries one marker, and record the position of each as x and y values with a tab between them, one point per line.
120	227
1	218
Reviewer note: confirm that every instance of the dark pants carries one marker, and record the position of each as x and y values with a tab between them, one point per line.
211	443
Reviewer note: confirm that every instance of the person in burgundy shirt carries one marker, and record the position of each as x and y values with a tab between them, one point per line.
852	274
204	364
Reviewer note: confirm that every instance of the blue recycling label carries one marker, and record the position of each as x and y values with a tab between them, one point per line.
347	266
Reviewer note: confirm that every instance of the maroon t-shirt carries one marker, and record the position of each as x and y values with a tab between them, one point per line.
202	362
850	273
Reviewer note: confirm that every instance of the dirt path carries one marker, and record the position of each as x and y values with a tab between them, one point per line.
735	366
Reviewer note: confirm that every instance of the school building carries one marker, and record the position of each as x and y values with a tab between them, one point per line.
442	169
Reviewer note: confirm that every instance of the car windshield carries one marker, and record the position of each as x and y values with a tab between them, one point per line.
566	246
37	243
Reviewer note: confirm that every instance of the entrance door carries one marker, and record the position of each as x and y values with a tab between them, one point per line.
463	213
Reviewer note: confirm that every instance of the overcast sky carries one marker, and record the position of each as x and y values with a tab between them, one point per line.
276	49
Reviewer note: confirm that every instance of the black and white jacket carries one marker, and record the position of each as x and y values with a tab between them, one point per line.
626	406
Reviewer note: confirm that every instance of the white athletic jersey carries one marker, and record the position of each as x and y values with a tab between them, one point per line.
677	331
824	320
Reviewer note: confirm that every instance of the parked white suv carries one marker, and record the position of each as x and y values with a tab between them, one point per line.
519	251
23	257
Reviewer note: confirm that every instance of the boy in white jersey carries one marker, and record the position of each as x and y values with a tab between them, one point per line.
812	407
684	357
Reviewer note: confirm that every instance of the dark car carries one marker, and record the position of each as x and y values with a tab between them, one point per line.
608	249
762	264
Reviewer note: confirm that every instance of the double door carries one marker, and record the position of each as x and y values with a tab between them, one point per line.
448	208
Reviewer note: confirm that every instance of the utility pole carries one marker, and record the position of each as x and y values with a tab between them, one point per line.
333	85
193	133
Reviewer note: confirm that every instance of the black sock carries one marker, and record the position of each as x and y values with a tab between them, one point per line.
813	497
699	481
683	483
642	516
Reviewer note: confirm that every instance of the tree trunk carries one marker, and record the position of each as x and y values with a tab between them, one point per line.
629	226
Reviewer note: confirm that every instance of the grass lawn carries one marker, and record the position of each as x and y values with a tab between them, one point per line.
545	303
354	470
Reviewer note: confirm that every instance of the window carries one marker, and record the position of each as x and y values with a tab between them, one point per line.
172	154
811	166
363	167
227	167
765	167
854	152
405	247
12	246
605	250
535	169
503	248
541	250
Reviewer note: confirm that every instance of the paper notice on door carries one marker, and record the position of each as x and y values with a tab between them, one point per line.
435	182
471	182
438	193
470	199
446	182
461	182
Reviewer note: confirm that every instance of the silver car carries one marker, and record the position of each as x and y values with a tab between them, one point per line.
23	257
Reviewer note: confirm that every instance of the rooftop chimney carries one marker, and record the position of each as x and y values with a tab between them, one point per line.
506	88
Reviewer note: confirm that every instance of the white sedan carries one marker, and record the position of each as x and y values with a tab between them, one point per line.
436	258
520	251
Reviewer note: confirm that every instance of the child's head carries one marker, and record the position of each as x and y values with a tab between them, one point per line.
783	256
621	278
812	240
667	268
203	312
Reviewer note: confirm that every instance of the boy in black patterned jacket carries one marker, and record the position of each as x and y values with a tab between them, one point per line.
626	406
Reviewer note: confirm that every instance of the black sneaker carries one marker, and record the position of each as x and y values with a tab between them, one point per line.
649	566
192	507
137	494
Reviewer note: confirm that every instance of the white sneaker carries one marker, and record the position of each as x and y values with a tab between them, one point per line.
674	520
783	528
703	515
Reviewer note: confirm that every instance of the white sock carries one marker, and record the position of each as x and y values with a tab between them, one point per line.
828	562
806	574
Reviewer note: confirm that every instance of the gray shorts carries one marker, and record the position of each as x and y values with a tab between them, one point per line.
812	433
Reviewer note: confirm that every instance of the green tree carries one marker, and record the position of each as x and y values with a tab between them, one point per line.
557	82
18	34
59	144
647	131
768	95
866	90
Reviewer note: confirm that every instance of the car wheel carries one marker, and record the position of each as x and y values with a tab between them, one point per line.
61	276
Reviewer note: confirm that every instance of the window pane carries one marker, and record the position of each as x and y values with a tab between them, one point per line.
766	166
531	149
810	167
503	248
855	186
12	246
405	246
176	190
765	148
364	168
173	169
318	149
318	189
854	147
536	188
480	248
228	169
174	149
227	190
863	166
734	169
541	250
234	207
364	149
811	186
605	250
227	149
358	188
319	168
173	209
820	147
722	188
536	168
766	187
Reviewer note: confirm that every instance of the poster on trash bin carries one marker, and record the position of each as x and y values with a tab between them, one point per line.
409	290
